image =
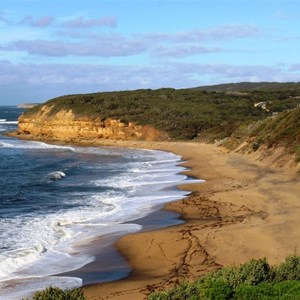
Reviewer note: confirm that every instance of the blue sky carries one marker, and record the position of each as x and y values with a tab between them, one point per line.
50	48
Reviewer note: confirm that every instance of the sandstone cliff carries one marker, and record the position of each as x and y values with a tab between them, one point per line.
65	126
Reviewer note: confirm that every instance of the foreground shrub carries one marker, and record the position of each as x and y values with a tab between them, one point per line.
254	280
184	291
206	290
214	290
53	293
288	270
252	272
286	290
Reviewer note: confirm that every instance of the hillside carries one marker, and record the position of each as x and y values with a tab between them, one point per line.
281	130
183	114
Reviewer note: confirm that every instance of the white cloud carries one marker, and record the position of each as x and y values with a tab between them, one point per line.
40	22
43	81
81	22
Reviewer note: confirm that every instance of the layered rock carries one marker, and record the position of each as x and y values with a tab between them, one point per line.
65	126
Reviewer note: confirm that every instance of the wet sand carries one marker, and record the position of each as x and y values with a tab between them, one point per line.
245	209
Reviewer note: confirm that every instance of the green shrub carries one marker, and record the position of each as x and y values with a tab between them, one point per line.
288	270
215	290
286	290
252	272
255	146
204	290
254	280
53	293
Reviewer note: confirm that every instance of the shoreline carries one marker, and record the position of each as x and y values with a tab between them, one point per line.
244	210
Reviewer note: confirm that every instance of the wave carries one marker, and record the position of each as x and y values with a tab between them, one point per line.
16	144
3	121
46	243
56	175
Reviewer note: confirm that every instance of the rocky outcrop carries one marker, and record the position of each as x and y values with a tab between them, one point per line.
65	126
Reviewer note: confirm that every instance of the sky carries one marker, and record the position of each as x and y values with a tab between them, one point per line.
50	48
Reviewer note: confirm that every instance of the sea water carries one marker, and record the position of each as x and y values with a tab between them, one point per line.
56	199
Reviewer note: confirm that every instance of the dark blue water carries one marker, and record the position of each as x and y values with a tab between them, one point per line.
56	199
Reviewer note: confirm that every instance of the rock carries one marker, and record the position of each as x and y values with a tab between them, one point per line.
65	126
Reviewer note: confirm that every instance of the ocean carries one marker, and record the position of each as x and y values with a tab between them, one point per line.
55	201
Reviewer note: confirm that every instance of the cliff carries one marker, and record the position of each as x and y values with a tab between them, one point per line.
65	126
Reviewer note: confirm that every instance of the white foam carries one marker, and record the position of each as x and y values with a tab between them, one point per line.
16	144
56	175
3	121
45	244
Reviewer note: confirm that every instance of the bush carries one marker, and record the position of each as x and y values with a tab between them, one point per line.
184	291
215	290
205	289
286	290
288	270
53	293
255	146
252	272
254	280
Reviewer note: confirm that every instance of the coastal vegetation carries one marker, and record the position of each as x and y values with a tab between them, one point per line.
280	130
253	280
185	113
53	293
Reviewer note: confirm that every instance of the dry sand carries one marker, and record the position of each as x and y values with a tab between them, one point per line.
244	210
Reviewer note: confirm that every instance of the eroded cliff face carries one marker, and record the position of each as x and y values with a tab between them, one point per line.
65	126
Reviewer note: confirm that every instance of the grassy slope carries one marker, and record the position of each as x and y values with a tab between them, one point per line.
278	130
283	130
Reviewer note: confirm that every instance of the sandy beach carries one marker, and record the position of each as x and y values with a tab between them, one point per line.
245	209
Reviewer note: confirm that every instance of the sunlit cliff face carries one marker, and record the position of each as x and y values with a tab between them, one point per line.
64	126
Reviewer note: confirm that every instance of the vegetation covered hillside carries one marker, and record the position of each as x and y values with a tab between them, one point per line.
183	114
279	130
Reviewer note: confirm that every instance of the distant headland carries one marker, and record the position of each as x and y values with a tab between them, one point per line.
27	105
